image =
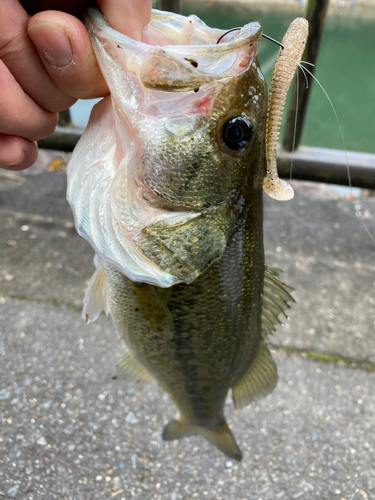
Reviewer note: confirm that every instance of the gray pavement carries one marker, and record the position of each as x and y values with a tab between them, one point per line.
69	431
329	259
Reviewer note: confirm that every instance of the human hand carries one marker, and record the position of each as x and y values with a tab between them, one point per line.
47	63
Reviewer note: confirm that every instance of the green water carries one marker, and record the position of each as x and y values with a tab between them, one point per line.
346	69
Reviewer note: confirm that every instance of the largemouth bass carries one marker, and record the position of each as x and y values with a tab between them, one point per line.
166	185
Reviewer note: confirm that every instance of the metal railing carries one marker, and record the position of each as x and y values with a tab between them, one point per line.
316	14
309	163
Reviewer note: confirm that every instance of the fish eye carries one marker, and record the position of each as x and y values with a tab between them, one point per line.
236	133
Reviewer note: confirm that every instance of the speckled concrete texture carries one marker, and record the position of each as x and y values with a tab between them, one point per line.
69	431
329	258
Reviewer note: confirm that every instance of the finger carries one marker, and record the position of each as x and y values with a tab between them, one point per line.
19	114
80	76
17	153
20	56
128	17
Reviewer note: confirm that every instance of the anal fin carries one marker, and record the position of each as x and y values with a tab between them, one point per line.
221	437
131	372
258	381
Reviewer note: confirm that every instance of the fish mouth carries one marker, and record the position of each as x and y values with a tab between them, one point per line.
183	68
168	27
149	238
177	53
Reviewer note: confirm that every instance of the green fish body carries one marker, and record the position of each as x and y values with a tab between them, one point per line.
166	184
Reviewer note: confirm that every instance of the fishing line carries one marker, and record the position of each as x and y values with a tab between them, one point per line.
273	40
296	115
357	212
304	74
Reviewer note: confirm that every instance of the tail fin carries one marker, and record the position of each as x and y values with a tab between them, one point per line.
221	437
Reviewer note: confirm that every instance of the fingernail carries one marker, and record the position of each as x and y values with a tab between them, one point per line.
52	43
16	163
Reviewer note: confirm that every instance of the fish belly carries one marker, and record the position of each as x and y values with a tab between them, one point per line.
197	340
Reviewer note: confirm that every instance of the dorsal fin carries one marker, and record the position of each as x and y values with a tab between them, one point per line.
276	299
96	296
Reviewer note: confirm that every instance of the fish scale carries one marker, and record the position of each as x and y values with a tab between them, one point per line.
166	184
216	320
215	178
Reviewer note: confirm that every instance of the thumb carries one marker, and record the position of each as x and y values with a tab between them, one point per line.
65	50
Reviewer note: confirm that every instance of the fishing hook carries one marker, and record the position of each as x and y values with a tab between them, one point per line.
222	36
265	36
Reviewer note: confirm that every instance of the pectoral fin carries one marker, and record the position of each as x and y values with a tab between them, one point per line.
152	302
130	371
221	437
258	381
96	296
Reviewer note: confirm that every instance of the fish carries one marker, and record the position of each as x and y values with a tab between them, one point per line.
166	185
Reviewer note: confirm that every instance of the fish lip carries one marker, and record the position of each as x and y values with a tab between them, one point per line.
243	38
250	34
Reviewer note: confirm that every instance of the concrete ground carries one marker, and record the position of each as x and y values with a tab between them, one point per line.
68	431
